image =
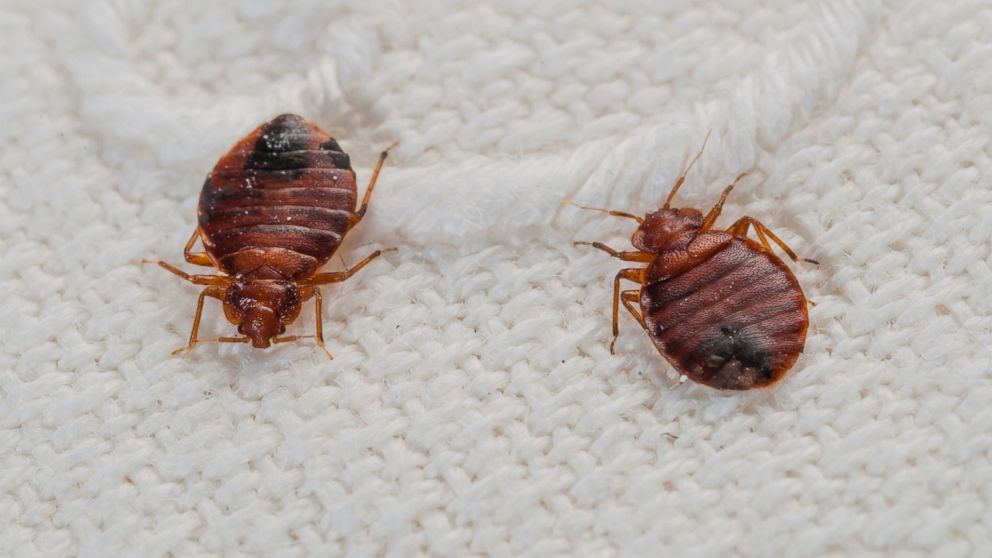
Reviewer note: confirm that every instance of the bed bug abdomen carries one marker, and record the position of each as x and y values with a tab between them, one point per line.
279	203
734	319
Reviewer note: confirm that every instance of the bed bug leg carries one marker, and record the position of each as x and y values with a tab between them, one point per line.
682	175
371	186
209	280
625	256
629	298
631	274
215	292
715	212
291	338
199	258
186	350
338	276
319	324
740	228
613	212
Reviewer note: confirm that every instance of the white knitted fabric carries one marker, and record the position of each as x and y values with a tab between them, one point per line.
473	407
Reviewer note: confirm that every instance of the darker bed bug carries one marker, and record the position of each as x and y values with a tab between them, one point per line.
722	309
274	209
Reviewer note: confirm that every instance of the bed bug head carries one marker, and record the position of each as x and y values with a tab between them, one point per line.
662	227
261	309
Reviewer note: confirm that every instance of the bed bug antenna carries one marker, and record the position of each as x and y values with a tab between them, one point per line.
613	212
681	178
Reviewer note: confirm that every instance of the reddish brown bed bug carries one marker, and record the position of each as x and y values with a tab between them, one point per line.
722	309
274	209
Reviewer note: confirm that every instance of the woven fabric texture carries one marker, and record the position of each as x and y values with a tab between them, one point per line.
473	406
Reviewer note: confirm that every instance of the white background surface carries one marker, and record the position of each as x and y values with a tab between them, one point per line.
473	406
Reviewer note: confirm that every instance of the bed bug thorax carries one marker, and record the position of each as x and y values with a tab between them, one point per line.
274	210
724	310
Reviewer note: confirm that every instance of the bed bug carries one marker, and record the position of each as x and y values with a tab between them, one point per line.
274	209
723	309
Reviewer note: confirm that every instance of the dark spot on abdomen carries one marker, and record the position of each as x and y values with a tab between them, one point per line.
290	143
734	359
